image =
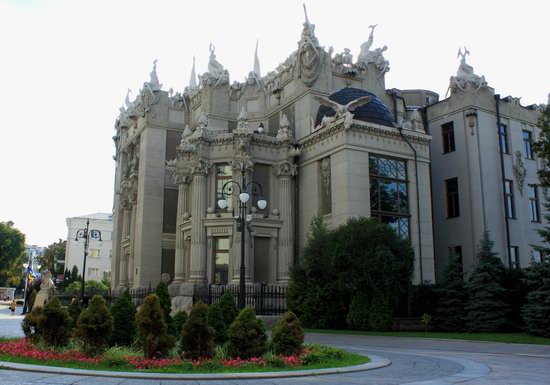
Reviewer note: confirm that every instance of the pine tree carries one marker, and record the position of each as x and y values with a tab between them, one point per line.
197	336
287	336
247	337
166	304
216	321
95	325
536	312
153	336
74	311
230	311
180	318
54	323
124	321
486	309
452	295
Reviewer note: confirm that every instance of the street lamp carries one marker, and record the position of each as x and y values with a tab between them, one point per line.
86	234
244	192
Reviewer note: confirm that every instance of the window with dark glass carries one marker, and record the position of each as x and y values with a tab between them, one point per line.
514	257
448	135
534	210
509	197
451	191
221	260
503	138
389	198
223	175
527	142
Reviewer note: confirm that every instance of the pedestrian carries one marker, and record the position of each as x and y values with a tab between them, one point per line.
13	305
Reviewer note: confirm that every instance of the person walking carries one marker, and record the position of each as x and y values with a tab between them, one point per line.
13	305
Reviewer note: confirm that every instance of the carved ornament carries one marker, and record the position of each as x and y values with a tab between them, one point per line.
519	170
285	169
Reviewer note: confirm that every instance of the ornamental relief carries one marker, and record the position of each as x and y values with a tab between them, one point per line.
285	169
519	170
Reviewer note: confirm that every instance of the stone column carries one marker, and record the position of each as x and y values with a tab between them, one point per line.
123	270
123	273
285	171
198	234
179	263
132	245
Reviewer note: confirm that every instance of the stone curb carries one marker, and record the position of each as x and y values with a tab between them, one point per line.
375	363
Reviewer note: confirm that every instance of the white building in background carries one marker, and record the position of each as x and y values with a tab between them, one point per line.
33	252
98	262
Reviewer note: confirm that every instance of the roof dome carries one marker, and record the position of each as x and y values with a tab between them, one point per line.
374	112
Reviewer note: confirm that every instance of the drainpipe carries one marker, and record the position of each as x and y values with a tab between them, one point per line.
394	97
503	176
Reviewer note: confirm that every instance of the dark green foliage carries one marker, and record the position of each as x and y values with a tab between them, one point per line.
449	315
32	298
361	256
197	336
486	309
216	321
52	254
514	282
287	336
536	312
74	311
380	313
247	337
12	254
152	331
358	315
230	311
166	304
95	325
124	321
30	324
542	146
179	320
91	288
54	323
424	299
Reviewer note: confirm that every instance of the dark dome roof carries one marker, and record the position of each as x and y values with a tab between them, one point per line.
374	112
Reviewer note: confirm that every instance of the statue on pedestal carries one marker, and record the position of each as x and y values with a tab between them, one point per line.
46	290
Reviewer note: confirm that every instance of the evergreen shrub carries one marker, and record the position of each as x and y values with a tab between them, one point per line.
179	320
30	324
74	311
95	325
358	314
536	311
449	315
152	331
124	321
247	336
287	336
197	336
166	304
380	314
216	321
54	323
230	311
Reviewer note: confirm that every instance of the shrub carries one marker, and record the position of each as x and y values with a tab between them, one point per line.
166	305
317	353
287	335
54	323
91	288
197	336
74	311
124	321
95	325
452	294
230	311
358	314
179	320
380	313
30	324
537	310
153	336
32	297
247	337
216	321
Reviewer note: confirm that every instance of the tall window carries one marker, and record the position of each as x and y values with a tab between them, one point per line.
223	175
534	203
448	135
527	142
221	260
514	257
503	138
509	197
453	205
389	200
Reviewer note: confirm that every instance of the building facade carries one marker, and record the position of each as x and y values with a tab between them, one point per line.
98	262
320	134
484	172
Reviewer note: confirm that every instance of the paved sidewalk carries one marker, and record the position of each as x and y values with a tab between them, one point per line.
10	325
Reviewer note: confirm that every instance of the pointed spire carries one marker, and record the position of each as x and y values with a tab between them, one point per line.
305	13
193	79
257	61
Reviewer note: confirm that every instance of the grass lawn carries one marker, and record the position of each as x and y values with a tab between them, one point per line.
512	338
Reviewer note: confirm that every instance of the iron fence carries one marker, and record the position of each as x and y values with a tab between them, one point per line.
263	298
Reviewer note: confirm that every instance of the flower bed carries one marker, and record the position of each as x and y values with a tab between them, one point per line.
23	351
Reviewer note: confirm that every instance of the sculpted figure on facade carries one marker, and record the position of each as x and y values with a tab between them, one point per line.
285	168
241	165
465	75
153	85
235	89
202	122
216	75
416	120
284	132
242	120
326	174
342	109
519	170
310	56
365	54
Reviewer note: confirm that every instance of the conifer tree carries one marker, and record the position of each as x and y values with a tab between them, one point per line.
124	321
486	309
54	323
230	311
287	336
74	311
152	334
180	318
452	295
166	304
95	325
536	312
197	336
247	337
216	321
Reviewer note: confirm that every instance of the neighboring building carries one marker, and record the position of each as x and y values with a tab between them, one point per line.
484	173
318	136
33	252
98	261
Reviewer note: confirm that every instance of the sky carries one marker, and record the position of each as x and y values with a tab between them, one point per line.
66	66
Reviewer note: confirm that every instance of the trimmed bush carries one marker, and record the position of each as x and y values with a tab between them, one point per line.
230	311
166	305
124	321
30	324
287	336
358	314
153	335
247	337
74	311
54	323
380	314
179	320
95	325
196	335
216	321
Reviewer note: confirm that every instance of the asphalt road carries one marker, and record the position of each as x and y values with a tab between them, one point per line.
414	362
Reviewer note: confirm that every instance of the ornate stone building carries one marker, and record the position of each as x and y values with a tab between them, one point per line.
320	134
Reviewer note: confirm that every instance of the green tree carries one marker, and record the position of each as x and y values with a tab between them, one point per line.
180	318
361	256
196	335
230	311
247	337
152	333
54	323
536	312
124	321
287	336
216	321
542	146
95	325
449	315
52	254
91	288
74	311
166	304
12	254
486	308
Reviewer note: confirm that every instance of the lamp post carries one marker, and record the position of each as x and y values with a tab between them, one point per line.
243	192
86	234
